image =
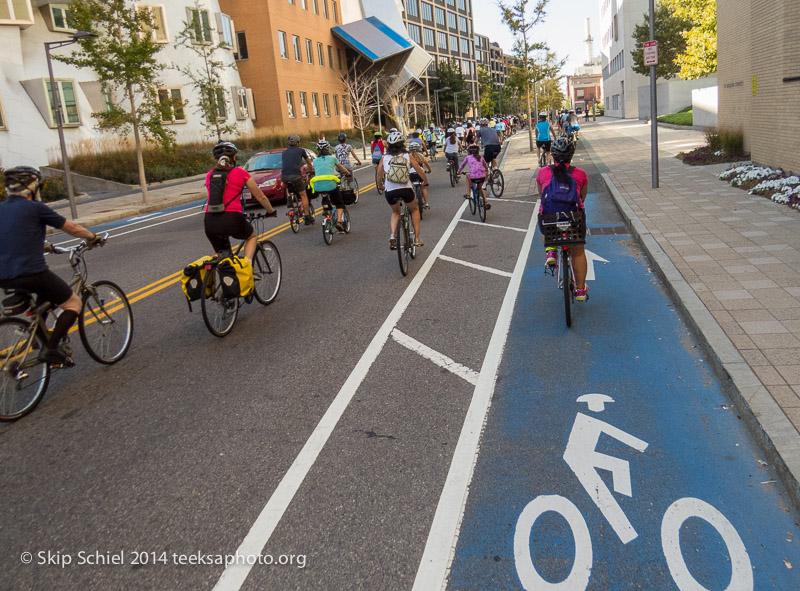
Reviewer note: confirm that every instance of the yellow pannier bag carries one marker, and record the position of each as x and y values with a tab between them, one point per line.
192	279
236	274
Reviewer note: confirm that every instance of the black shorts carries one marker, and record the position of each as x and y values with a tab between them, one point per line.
407	195
294	182
332	197
546	145
47	286
221	226
414	177
490	152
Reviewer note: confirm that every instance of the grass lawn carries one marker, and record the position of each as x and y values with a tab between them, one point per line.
683	117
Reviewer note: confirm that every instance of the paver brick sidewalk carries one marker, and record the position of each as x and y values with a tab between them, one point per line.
738	253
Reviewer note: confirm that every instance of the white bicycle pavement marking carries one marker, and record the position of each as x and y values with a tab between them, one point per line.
443	361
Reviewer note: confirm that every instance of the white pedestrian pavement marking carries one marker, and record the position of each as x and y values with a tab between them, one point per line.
441	544
523	230
256	539
590	259
414	345
474	266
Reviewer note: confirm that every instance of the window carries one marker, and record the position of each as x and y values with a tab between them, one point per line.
242	99
217	96
304	4
344	104
67	102
441	39
440	17
335	13
298	53
453	43
158	21
316	6
315	103
616	30
325	8
336	104
291	1
241	41
303	105
170	102
326	105
464	47
427	12
462	25
309	51
60	16
339	57
414	33
225	30
451	3
330	57
321	54
451	20
290	103
16	12
429	37
412	8
3	117
108	98
282	43
462	5
200	23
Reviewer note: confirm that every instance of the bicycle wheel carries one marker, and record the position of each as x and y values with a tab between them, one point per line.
402	245
377	186
354	186
452	174
294	216
420	200
473	199
267	266
23	378
219	312
498	184
481	209
106	322
327	230
346	221
566	270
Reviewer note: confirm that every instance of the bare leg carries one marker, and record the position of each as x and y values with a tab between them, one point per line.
579	265
250	247
412	207
394	219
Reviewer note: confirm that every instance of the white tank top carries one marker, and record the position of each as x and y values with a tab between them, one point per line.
389	185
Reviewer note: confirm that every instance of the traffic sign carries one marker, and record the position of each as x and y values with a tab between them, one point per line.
651	53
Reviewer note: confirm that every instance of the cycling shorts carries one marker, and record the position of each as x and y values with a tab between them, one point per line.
479	181
47	286
220	226
414	177
332	198
546	145
490	152
294	183
406	194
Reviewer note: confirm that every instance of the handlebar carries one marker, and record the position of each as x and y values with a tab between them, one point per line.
84	245
260	216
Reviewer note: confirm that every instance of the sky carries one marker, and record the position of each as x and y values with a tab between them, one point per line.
563	28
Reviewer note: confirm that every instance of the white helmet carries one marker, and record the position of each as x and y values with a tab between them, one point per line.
450	130
395	137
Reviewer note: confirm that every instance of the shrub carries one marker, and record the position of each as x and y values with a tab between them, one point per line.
713	140
732	141
53	189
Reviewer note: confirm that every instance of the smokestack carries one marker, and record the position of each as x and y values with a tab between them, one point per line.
589	42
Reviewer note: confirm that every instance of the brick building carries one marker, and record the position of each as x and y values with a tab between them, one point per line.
758	73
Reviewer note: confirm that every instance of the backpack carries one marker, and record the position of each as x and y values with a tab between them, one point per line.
558	197
216	191
376	151
398	170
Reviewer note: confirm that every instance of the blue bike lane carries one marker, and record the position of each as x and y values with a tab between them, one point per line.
611	458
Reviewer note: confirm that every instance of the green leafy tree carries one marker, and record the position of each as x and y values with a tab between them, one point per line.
124	57
700	57
450	75
669	30
488	91
205	73
545	69
516	17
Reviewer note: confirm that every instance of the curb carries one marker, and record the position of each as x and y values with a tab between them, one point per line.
762	415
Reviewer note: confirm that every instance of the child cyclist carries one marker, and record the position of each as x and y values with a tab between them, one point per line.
562	153
326	166
478	170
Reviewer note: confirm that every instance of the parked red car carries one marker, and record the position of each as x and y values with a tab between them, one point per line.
265	168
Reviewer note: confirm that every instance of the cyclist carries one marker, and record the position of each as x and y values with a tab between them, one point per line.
343	151
292	160
451	147
326	165
378	148
430	137
543	133
23	219
490	139
460	130
562	152
478	171
416	139
500	127
231	223
416	154
572	124
469	136
396	149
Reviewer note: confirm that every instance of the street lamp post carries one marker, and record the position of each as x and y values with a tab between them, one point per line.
78	35
455	101
436	94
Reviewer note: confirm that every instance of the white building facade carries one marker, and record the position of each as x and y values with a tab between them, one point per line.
28	133
618	18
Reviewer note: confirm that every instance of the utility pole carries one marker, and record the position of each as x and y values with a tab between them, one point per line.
653	105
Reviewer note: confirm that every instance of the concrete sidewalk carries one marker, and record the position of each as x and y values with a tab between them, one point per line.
732	264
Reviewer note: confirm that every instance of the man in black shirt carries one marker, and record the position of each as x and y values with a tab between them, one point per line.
23	220
292	161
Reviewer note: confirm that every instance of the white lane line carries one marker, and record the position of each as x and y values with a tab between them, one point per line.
157	224
414	345
474	266
440	547
523	230
256	539
501	200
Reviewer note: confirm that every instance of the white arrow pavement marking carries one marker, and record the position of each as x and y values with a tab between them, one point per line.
590	259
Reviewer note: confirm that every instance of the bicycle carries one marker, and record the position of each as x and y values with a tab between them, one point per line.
420	199
496	181
294	211
378	187
329	223
476	202
452	169
105	326
562	230
406	240
350	183
219	310
543	159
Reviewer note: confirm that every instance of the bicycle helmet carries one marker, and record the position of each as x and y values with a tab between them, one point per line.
393	129
484	121
450	130
395	138
342	138
474	149
294	140
22	178
378	134
323	145
562	150
414	147
224	149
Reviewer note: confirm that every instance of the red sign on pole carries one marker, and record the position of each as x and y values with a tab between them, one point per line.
650	53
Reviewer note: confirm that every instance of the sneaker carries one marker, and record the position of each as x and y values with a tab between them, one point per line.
418	243
54	356
488	206
426	206
393	243
339	226
307	220
552	257
581	295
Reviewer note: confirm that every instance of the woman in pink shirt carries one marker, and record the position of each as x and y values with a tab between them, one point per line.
478	169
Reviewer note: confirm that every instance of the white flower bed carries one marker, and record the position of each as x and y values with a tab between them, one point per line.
775	184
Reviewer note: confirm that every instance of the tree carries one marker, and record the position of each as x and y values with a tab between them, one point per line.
124	58
669	34
401	98
449	75
516	18
360	88
205	75
487	89
700	57
545	69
